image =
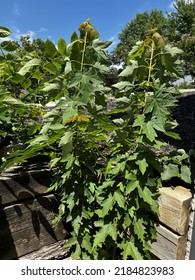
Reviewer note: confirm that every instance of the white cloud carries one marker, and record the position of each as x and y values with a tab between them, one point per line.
42	29
17	33
16	10
6	39
171	5
31	33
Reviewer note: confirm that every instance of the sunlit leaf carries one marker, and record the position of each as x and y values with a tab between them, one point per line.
128	71
147	196
84	118
139	228
61	46
142	165
66	138
186	174
173	135
51	87
107	205
68	67
29	65
74	37
119	199
170	170
100	236
130	250
50	49
50	68
9	46
12	101
4	32
149	131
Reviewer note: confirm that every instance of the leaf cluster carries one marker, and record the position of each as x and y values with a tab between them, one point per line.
135	30
181	32
177	28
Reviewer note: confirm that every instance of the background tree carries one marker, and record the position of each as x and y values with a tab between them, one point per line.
136	29
181	31
28	45
178	28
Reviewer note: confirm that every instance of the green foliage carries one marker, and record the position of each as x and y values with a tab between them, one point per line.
181	31
181	19
108	171
4	32
9	46
135	30
177	28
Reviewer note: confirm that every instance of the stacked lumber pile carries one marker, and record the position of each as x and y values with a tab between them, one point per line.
175	208
27	209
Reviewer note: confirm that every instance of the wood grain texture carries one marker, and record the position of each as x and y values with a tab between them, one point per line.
53	251
27	227
174	207
169	245
18	185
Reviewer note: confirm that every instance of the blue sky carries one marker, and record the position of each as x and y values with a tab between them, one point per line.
54	19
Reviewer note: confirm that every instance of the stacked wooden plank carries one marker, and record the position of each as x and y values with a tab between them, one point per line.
174	206
26	212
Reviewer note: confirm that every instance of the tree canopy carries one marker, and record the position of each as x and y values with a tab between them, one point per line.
181	31
182	19
177	27
136	30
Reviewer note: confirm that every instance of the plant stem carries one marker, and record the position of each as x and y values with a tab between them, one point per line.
151	60
114	253
83	54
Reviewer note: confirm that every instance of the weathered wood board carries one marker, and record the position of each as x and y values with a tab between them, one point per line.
174	207
53	251
27	226
24	185
169	245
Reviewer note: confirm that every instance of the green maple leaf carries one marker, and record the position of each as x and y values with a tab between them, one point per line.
171	170
142	165
100	236
130	250
159	104
149	131
139	229
147	196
